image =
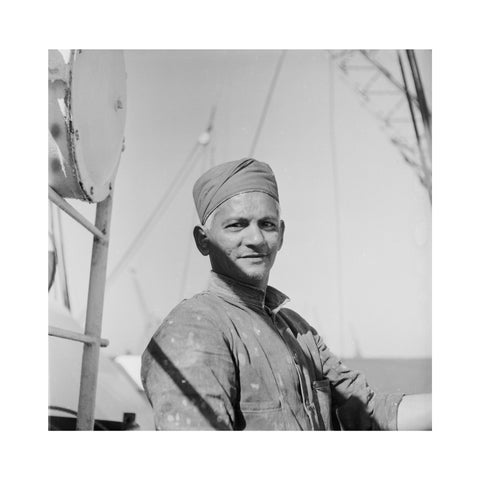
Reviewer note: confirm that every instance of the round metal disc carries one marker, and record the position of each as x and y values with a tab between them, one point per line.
97	115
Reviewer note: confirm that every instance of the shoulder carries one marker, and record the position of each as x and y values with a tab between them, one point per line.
201	312
296	322
189	332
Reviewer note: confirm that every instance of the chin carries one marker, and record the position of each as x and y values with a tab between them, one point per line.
255	276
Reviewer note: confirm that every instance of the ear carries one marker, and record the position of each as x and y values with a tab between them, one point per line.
281	232
201	240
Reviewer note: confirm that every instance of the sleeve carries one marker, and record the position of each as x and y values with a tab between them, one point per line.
358	406
189	375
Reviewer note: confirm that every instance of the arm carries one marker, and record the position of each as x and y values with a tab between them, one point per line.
355	404
358	406
189	375
415	412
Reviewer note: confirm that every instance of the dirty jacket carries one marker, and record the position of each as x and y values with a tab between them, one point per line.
234	358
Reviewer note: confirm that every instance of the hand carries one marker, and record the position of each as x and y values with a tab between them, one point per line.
415	412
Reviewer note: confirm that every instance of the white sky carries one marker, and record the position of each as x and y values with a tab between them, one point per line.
385	214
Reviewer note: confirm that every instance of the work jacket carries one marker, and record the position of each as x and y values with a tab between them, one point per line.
234	358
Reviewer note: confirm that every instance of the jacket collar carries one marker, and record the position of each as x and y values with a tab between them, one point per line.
242	293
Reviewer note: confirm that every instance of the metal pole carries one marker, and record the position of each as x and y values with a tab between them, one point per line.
424	110
93	323
77	337
67	208
426	171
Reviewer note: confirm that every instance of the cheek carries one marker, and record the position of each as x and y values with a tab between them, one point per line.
229	246
274	241
225	247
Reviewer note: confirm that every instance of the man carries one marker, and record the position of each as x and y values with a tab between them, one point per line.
234	357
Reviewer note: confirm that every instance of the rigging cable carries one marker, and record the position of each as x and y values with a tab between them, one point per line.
156	214
208	163
426	173
51	231
424	110
211	131
147	314
149	319
61	261
202	141
183	281
336	206
267	102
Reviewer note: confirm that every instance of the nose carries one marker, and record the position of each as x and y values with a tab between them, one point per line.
253	236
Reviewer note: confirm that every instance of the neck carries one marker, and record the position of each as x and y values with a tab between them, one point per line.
260	285
245	293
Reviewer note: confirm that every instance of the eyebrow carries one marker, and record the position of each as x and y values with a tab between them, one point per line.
233	219
245	219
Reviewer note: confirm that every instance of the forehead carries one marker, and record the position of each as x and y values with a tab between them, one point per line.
249	205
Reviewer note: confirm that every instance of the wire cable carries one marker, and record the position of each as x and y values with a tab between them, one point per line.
156	214
51	231
426	178
183	281
166	200
267	102
62	263
336	206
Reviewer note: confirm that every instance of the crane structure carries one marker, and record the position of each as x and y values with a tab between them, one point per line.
389	84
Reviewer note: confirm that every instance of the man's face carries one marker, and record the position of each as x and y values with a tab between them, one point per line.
245	236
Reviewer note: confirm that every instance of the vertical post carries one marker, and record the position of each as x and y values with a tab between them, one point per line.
93	323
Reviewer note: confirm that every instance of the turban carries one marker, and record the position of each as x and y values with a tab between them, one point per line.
228	179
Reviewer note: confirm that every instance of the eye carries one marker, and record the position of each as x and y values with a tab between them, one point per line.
267	225
235	226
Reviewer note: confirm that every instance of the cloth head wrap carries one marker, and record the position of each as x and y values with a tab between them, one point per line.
228	179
